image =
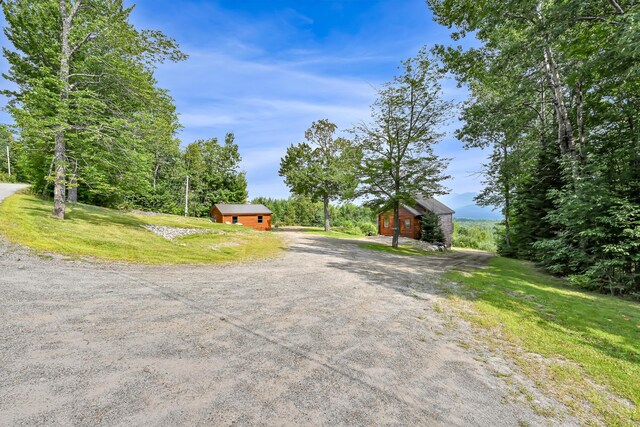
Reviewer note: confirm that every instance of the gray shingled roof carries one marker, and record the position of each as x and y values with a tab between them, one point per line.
433	205
247	209
412	211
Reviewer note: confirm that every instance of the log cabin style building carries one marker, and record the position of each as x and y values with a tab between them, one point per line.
257	217
411	219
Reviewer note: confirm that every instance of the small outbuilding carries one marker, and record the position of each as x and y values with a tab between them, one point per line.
411	219
255	216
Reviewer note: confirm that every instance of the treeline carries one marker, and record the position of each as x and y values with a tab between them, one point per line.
348	217
391	158
93	125
475	234
554	93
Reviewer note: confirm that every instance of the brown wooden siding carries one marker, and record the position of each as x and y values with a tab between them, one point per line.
246	220
412	232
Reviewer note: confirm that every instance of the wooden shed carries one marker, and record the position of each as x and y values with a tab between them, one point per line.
411	219
255	216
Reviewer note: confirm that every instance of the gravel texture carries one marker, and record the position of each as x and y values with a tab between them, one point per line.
173	232
8	189
329	334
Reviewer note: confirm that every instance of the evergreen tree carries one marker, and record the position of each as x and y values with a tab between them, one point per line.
430	230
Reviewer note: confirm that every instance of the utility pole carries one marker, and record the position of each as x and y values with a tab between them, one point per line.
8	162
186	198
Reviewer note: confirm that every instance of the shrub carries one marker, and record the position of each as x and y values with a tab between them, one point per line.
6	178
368	229
480	235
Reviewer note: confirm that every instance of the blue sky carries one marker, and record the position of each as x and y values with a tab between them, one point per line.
265	69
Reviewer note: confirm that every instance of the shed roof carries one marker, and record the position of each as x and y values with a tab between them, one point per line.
411	210
433	205
246	209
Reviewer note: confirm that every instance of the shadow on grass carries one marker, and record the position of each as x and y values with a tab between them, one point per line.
515	286
41	209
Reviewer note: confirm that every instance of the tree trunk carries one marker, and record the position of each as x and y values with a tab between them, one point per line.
580	120
155	174
507	199
325	200
59	190
396	224
565	128
8	162
72	192
59	186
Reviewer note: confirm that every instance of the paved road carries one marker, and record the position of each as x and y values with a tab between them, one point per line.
329	334
8	189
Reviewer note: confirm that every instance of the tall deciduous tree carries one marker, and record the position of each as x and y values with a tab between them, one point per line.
557	83
399	160
85	86
322	168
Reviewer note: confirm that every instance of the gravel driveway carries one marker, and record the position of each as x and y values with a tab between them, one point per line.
329	334
8	189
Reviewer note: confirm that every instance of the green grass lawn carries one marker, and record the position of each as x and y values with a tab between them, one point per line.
591	341
400	250
90	231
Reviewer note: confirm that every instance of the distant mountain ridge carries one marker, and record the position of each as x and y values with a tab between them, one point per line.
465	207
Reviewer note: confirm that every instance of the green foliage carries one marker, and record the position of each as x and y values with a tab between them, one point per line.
474	235
347	218
4	177
84	77
399	160
323	168
599	246
430	230
554	94
214	174
8	141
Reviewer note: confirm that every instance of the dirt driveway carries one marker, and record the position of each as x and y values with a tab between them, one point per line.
329	334
8	189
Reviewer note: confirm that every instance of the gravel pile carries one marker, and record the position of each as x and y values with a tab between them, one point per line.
173	232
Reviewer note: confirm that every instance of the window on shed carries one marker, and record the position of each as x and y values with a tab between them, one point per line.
259	219
407	223
234	219
386	222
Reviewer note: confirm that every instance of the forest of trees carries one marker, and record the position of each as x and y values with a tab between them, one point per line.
555	94
93	125
347	217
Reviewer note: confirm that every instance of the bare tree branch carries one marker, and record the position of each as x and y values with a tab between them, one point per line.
619	10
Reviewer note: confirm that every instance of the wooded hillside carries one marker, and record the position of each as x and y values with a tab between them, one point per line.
554	93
